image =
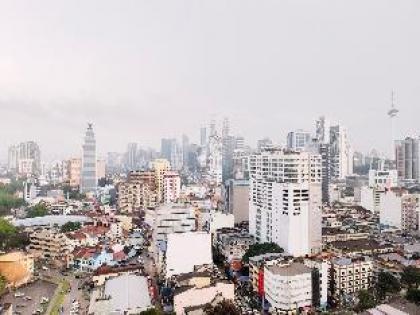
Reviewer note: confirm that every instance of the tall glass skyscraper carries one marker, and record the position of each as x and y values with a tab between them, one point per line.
88	179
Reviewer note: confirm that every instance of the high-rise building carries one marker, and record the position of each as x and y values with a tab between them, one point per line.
407	154
74	171
160	168
298	139
25	158
215	159
171	187
279	181
264	144
172	151
131	157
322	130
340	153
203	136
88	182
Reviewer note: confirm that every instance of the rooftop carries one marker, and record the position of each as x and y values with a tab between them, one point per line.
289	270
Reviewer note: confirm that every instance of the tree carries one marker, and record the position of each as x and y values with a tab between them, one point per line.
224	307
413	295
366	300
70	226
410	277
387	283
39	210
11	237
8	200
259	249
151	311
3	283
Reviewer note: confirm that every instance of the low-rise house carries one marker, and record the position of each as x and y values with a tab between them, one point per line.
192	300
360	247
90	259
124	294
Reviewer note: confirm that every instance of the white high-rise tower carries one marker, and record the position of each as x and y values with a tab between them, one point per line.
88	182
392	113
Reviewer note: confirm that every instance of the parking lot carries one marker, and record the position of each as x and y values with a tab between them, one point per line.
35	291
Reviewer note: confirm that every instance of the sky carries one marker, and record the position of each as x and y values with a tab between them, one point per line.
143	70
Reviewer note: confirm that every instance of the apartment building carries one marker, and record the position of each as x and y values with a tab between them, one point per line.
348	276
400	209
74	168
171	218
233	245
288	286
135	195
171	187
160	168
50	244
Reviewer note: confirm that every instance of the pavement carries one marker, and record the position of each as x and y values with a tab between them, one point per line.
36	291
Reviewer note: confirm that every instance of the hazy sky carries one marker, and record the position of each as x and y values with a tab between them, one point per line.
142	70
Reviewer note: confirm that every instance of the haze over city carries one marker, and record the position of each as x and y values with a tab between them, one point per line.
142	70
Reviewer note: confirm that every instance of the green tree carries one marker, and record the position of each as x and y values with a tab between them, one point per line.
387	283
3	283
39	210
410	277
259	249
224	307
413	295
8	200
6	228
366	300
70	226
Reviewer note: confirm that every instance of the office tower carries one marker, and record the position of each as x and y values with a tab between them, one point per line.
74	171
160	168
100	168
185	151
240	164
274	175
324	151
131	157
407	154
114	161
203	136
264	144
88	182
215	158
322	131
341	153
298	139
172	151
239	143
25	158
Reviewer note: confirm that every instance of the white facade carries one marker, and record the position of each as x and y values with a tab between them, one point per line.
171	187
383	179
172	218
390	212
296	218
298	139
201	296
323	268
186	250
270	172
370	198
341	153
218	220
288	286
88	182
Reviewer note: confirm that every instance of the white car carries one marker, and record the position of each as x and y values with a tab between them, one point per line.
19	294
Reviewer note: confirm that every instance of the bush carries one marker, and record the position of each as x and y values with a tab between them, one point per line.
39	210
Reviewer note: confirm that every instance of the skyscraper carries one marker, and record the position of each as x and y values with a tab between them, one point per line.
131	157
25	158
203	136
88	180
340	153
407	153
322	130
298	139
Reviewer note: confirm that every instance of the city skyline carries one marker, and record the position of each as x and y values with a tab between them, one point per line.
138	71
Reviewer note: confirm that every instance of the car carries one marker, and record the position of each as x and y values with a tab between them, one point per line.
45	268
44	300
27	298
19	294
